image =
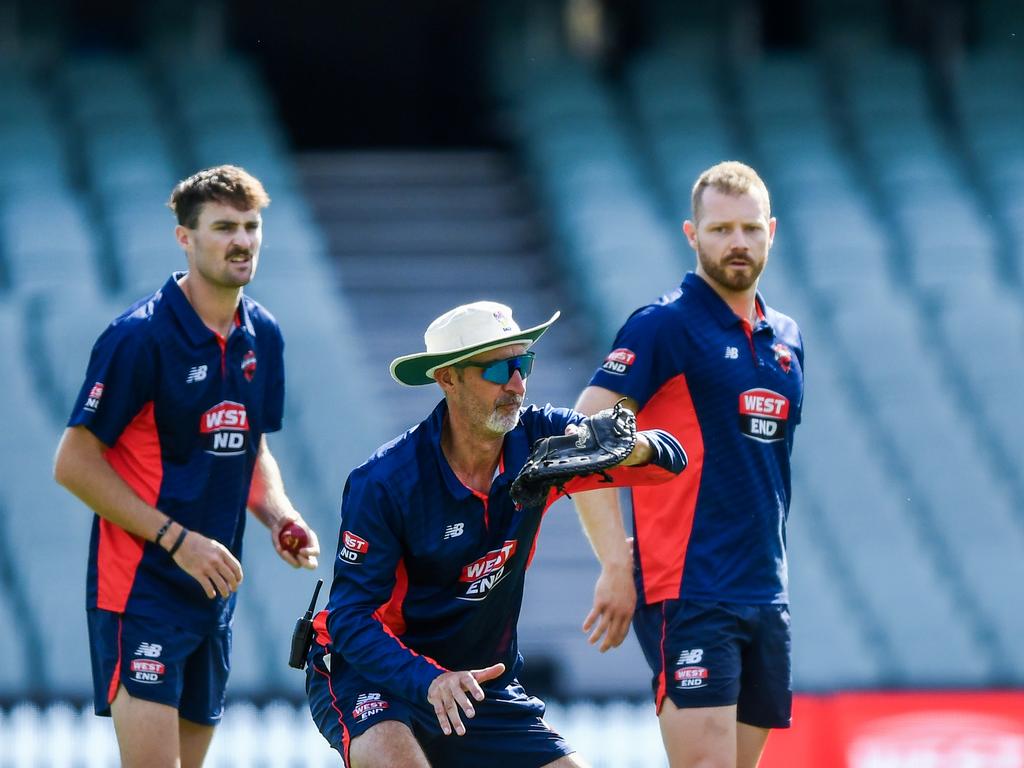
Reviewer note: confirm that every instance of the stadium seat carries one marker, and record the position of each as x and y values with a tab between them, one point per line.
54	586
104	86
831	644
36	257
32	159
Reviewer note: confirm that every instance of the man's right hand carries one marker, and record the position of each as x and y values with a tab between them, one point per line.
210	563
614	602
447	694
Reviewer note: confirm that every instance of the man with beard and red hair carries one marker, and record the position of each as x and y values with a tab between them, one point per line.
715	366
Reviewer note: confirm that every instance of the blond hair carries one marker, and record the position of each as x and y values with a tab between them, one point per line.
730	178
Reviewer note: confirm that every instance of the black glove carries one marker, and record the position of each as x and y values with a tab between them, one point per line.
602	441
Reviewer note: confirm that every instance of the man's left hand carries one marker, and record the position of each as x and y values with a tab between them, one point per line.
307	556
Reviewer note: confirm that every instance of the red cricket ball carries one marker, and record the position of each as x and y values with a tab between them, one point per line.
293	538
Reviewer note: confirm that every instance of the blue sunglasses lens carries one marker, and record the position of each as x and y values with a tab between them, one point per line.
500	371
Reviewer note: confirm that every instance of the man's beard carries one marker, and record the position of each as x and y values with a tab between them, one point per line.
504	420
735	281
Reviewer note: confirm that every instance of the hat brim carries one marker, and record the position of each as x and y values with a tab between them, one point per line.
417	370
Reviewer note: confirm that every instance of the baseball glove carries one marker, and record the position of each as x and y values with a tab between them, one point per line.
601	442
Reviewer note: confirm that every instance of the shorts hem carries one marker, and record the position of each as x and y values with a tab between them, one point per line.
769	724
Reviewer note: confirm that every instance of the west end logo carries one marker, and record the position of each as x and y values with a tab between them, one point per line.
763	415
483	574
227	428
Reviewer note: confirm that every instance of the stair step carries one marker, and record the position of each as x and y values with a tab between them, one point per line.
390	271
423	237
414	234
363	200
328	169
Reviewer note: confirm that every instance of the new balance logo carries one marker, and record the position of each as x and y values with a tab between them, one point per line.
691	656
150	650
456	529
732	353
196	373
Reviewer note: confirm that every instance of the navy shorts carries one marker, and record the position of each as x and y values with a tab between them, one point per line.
706	654
159	662
508	729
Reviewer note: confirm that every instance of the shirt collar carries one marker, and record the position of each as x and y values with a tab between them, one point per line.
458	489
435	428
716	305
194	326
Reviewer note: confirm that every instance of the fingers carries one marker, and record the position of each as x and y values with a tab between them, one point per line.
488	673
448	695
606	624
305	557
451	711
308	555
308	558
234	566
609	628
225	573
211	564
616	630
287	556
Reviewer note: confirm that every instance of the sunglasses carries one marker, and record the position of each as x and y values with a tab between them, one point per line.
500	371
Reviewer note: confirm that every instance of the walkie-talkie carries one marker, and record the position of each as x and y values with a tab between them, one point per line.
302	637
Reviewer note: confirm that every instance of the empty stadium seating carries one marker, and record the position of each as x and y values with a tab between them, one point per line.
899	190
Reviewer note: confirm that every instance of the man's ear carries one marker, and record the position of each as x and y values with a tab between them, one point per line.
690	230
445	377
184	236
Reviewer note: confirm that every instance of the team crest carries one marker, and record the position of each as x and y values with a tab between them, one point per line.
249	365
783	356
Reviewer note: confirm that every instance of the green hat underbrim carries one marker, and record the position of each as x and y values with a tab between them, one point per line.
417	370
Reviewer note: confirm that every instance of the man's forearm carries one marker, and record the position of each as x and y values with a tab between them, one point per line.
601	517
81	467
267	498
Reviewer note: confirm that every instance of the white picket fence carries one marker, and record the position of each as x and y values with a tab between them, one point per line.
617	735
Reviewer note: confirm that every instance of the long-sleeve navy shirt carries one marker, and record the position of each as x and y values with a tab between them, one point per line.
429	573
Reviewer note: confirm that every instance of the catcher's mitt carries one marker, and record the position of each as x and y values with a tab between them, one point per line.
601	442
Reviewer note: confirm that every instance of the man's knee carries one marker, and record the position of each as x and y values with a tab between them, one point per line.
387	744
702	737
147	732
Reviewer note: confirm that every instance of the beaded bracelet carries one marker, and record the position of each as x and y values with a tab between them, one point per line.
162	531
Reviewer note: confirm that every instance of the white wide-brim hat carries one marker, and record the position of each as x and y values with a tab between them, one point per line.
461	333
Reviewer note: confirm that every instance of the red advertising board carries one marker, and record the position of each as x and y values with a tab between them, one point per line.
902	730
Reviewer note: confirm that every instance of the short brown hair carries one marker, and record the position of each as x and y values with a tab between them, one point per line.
227	184
729	178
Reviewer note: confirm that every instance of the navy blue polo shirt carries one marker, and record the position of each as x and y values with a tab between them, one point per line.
182	411
429	573
732	395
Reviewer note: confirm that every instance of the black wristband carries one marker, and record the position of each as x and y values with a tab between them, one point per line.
177	544
162	531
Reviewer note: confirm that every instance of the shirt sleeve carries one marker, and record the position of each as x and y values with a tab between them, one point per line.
635	365
273	399
798	416
364	620
119	381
